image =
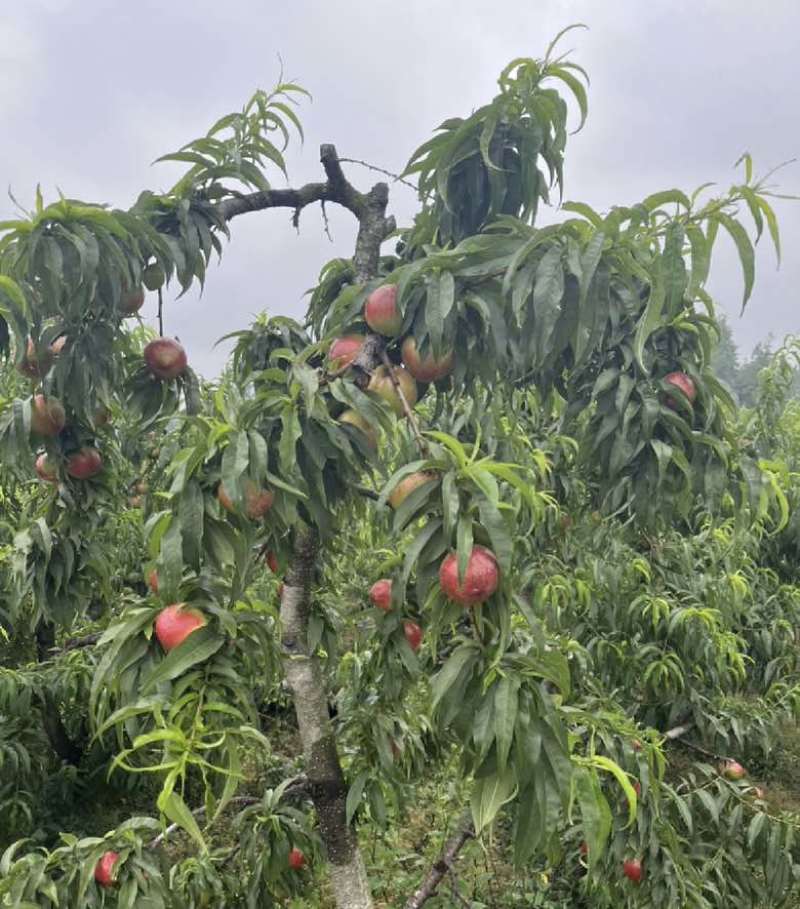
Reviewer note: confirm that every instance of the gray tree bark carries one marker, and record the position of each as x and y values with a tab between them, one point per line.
301	668
323	769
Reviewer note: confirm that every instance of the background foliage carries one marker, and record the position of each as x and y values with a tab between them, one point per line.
644	627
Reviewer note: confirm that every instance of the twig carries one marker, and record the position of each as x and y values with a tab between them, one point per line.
299	783
76	643
367	492
423	445
396	177
444	864
325	221
678	733
160	314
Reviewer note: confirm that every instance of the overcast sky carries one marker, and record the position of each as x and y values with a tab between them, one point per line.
92	91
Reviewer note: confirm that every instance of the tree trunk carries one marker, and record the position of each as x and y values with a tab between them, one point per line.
301	670
328	790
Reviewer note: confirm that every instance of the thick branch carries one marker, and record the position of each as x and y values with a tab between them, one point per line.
370	210
335	189
443	864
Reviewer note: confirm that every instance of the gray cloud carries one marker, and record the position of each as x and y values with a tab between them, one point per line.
92	91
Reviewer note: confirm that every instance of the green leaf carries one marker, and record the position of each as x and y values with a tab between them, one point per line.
354	795
463	544
499	534
459	661
416	546
450	503
586	211
710	804
772	225
290	422
595	813
235	459
197	648
177	811
489	794
673	269
505	717
656	200
452	444
745	249
701	257
548	291
191	506
650	319
757	824
604	763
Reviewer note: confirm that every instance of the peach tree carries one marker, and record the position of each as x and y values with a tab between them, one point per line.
178	565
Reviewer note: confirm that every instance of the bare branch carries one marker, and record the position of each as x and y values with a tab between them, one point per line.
396	177
335	189
444	864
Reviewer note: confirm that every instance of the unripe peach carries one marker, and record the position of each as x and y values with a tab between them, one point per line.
407	485
353	418
131	301
427	369
383	386
47	416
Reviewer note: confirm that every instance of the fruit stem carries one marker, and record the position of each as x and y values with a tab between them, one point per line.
423	445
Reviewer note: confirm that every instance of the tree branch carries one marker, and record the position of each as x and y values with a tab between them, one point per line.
369	209
199	812
335	189
298	785
88	640
422	444
443	864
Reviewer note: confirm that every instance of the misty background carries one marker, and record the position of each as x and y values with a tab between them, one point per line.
92	91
